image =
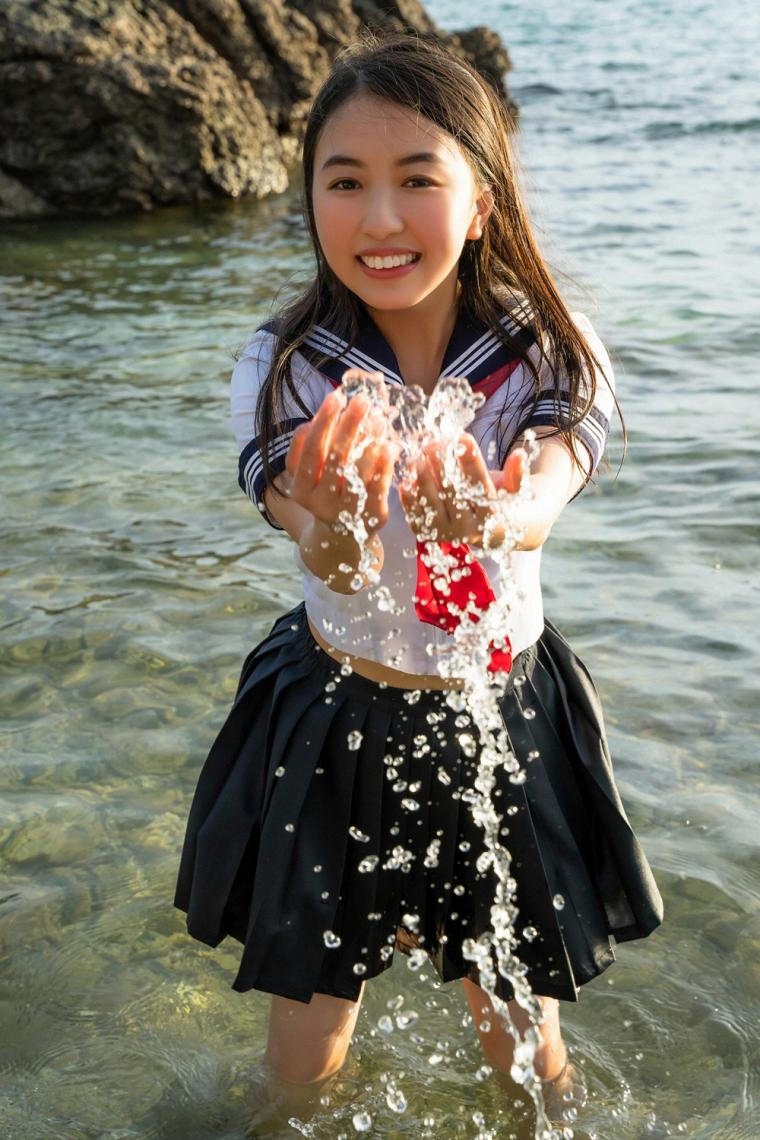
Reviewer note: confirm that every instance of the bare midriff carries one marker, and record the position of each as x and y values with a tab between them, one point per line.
383	674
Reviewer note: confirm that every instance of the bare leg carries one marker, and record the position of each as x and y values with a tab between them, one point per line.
307	1043
498	1043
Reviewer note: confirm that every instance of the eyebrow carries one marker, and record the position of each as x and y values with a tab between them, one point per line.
407	160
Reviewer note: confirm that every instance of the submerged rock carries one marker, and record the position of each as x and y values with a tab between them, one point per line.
108	106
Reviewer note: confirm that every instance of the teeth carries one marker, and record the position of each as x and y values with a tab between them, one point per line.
389	262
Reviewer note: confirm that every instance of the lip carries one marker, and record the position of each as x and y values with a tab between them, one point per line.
395	271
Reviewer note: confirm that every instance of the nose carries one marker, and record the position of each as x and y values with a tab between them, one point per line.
381	215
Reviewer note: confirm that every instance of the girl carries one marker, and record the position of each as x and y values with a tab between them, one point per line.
328	827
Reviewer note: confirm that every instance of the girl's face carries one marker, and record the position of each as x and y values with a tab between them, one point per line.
388	183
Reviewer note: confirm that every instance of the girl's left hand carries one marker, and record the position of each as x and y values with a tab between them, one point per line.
430	506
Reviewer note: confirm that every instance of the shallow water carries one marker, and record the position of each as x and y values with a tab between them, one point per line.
137	576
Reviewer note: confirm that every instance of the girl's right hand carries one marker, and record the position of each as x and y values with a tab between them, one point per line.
320	448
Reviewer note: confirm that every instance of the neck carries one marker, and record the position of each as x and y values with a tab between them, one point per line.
419	335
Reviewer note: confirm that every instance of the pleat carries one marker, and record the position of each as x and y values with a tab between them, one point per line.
227	804
629	894
357	865
293	906
570	944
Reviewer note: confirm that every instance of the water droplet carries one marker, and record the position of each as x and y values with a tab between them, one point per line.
317	867
360	968
362	1121
290	827
443	776
279	771
417	959
357	834
384	1023
330	687
533	754
558	902
354	741
529	714
367	865
432	853
530	933
411	696
332	941
395	1099
435	1059
410	805
345	670
406	1019
467	743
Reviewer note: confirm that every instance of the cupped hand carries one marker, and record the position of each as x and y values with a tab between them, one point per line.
320	450
439	512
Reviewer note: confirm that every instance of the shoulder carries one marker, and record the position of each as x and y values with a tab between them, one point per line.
255	362
294	400
604	397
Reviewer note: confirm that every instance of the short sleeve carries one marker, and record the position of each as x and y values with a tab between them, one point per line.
551	409
248	376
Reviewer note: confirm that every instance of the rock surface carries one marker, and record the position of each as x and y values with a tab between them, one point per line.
108	106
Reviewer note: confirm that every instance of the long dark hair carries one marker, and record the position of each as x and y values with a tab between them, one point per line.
501	271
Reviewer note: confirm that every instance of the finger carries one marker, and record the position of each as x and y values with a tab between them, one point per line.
317	438
380	484
429	502
368	461
295	451
515	470
474	465
346	433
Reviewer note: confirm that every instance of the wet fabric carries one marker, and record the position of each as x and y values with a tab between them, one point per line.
328	829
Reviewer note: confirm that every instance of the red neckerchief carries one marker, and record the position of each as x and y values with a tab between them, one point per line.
470	585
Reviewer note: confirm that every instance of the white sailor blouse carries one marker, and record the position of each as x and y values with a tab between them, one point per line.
395	636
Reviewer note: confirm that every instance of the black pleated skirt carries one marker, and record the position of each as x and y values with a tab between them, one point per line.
328	828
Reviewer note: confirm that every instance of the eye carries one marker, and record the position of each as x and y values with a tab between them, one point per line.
341	181
420	178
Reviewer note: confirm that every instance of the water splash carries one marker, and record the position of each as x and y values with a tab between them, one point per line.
413	422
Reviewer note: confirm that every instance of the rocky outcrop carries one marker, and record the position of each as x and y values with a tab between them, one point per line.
115	105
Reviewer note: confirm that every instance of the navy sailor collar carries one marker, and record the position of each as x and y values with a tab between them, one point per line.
473	351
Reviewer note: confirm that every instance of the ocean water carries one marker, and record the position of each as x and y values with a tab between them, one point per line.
136	577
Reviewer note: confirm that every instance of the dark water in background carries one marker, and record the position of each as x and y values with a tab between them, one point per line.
137	575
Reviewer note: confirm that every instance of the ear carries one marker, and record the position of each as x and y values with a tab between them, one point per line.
483	205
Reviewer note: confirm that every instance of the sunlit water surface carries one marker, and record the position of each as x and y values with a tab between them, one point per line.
137	576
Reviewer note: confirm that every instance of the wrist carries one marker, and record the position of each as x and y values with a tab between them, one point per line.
334	556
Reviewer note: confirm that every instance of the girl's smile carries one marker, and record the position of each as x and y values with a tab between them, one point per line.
394	202
388	263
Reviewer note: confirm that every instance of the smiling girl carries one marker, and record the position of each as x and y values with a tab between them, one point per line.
328	828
